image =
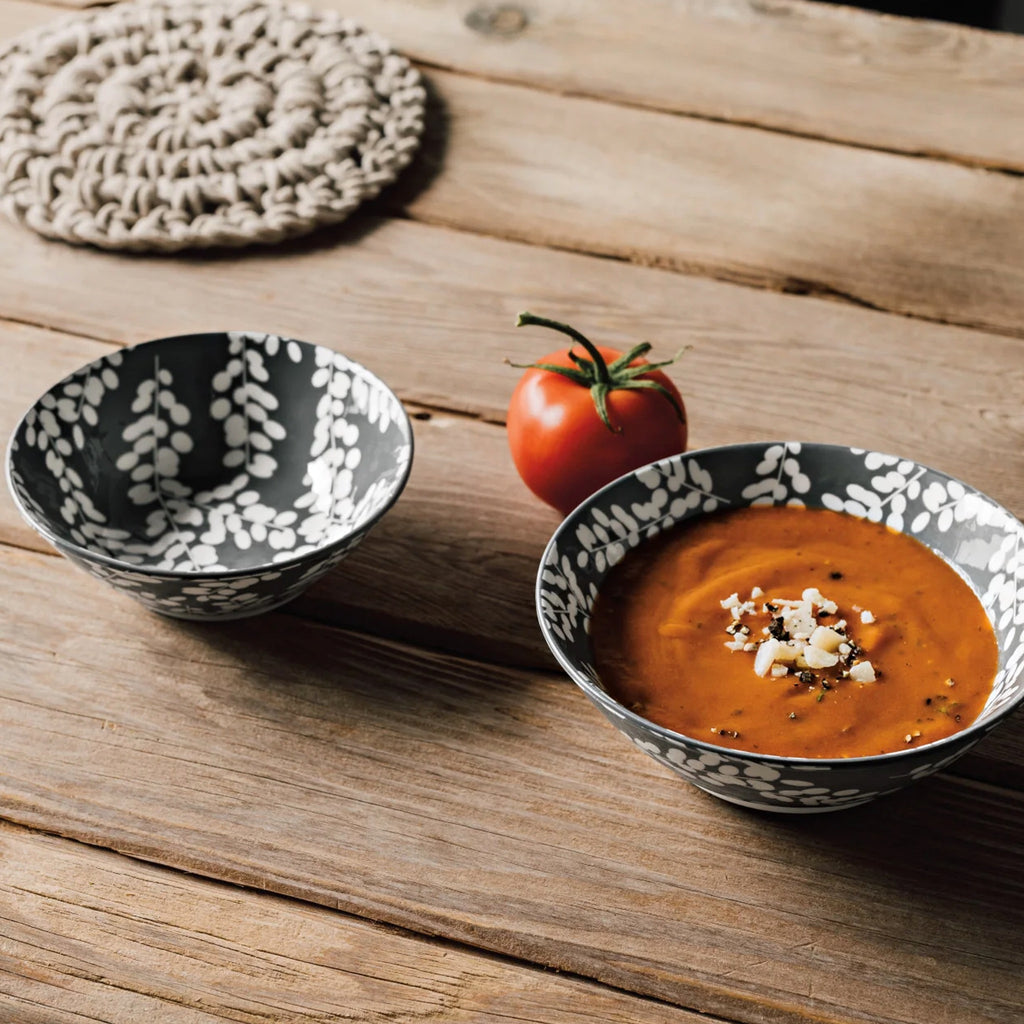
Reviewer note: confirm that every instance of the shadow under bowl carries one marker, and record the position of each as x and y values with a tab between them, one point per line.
211	475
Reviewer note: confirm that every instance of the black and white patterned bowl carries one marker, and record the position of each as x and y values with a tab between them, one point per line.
211	475
978	537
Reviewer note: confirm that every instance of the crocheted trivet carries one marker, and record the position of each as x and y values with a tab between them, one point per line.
173	124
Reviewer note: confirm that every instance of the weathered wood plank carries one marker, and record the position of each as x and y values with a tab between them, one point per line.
811	68
834	72
21	15
495	808
86	934
908	235
815	69
471	533
760	364
472	585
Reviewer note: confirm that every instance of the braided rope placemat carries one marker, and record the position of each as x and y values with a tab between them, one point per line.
166	125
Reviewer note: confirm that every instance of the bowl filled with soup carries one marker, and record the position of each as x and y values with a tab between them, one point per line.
789	626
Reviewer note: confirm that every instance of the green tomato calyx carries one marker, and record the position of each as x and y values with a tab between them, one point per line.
600	376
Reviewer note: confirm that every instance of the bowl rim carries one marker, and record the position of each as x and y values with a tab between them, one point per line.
125	568
963	739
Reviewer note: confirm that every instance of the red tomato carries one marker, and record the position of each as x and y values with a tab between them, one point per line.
562	447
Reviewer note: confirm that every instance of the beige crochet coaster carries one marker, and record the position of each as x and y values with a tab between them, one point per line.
166	125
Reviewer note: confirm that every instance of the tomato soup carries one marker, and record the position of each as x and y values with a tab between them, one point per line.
797	632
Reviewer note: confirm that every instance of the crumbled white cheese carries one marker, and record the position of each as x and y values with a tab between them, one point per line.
795	639
863	672
826	638
815	657
766	656
788	651
801	624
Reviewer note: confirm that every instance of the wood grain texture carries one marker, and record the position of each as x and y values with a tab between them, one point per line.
442	569
431	311
86	934
816	69
496	808
445	569
911	236
908	235
453	565
407	786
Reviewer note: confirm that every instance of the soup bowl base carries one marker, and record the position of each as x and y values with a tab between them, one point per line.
753	806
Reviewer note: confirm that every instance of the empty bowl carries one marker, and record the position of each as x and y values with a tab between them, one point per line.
980	539
211	475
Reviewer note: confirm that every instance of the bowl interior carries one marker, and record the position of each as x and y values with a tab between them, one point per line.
978	537
206	452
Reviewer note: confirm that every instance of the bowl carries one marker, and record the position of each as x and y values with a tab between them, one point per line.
981	540
211	476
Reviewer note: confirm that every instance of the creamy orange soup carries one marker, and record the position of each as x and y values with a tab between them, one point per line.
712	629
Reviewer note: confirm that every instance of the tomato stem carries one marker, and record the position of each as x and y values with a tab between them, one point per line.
598	375
600	366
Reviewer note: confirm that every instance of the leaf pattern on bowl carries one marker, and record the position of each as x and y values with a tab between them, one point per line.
780	480
272	496
982	540
669	492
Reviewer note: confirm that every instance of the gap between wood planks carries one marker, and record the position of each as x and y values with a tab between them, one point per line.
426	63
707	265
785	285
498	837
959	160
71	333
416	410
998	773
208	884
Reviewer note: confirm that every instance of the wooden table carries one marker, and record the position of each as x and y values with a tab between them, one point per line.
384	802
